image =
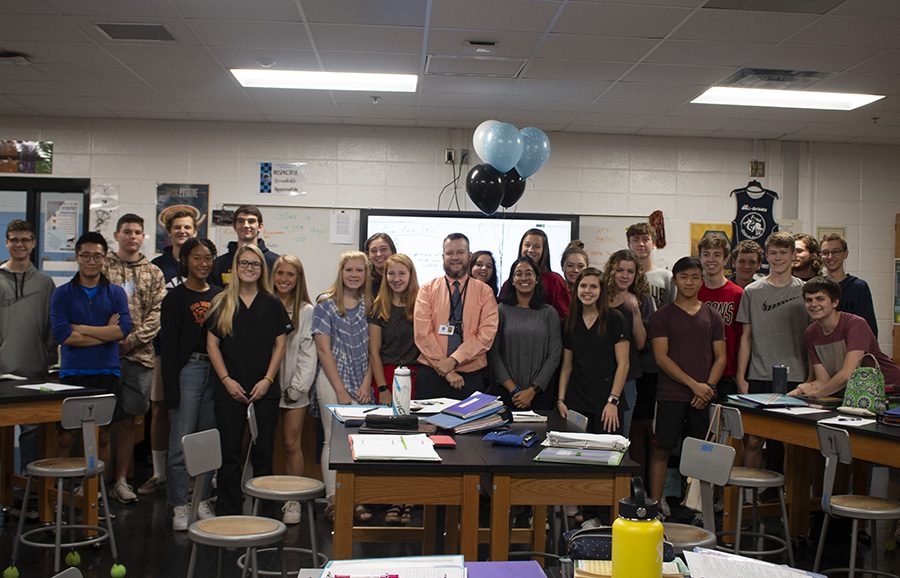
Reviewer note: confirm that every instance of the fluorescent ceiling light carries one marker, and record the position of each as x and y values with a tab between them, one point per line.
785	98
311	80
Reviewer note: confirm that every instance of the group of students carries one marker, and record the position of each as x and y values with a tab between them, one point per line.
639	350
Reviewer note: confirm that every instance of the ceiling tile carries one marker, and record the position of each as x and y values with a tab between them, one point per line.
297	107
22	73
371	62
461	116
709	53
162	75
466	85
87	24
387	99
396	39
259	10
737	134
872	8
681	3
233	57
202	92
708	124
678	74
96	73
779	127
509	43
690	109
159	54
599	119
817	58
657	131
126	89
547	120
381	13
619	20
304	120
583	47
864	83
26	7
60	52
727	25
547	103
233	33
654	92
434	99
237	117
520	15
215	106
59	102
120	8
885	63
574	69
613	105
851	31
31	27
124	104
25	87
376	111
575	88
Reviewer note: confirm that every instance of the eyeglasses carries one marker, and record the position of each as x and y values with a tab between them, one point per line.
255	265
95	257
830	253
20	240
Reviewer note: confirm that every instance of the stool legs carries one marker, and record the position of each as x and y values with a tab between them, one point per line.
821	547
15	551
739	521
58	540
193	561
787	530
112	537
313	539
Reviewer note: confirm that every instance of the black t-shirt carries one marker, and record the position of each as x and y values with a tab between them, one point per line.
182	324
248	350
398	344
593	363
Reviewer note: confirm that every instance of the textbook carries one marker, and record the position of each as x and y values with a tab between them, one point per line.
379	447
475	404
577	456
767	400
447	421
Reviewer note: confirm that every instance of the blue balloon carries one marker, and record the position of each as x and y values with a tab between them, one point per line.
502	146
535	152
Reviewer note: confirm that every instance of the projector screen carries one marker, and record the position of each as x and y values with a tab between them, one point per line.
420	235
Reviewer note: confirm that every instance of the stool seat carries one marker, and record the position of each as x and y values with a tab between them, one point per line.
237	531
865	507
685	537
61	468
284	488
755	478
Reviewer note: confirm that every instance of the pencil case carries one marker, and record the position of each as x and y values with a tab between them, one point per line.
403	422
523	438
596	544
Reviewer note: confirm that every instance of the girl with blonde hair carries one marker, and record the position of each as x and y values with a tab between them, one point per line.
246	340
340	330
298	369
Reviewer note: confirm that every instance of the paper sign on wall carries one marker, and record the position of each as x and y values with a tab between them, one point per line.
282	179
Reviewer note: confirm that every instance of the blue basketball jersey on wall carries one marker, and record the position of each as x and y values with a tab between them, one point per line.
755	218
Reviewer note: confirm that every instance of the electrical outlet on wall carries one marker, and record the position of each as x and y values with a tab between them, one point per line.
464	156
757	168
449	156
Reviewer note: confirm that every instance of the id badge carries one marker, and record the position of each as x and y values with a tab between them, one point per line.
446	330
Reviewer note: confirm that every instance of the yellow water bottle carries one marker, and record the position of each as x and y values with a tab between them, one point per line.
637	536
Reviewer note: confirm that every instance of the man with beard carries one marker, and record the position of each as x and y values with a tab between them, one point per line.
455	322
807	262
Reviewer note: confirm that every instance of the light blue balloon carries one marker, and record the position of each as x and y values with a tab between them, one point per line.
502	146
535	152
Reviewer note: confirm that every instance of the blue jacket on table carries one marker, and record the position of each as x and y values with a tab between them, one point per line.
69	306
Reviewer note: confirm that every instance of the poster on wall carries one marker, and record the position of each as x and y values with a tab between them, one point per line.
282	179
60	224
897	291
26	156
171	198
699	230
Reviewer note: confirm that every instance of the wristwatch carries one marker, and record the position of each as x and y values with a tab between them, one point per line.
382	388
613	400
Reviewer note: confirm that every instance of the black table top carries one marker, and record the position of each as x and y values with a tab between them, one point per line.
10	394
876	430
472	454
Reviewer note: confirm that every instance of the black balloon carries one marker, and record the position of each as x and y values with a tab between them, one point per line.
484	185
513	188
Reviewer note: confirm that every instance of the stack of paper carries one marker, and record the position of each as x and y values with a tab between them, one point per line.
528	417
430	406
356	414
408	567
603	569
768	400
378	447
476	404
705	563
586	441
575	456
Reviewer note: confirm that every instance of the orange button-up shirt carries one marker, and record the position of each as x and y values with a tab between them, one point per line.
479	322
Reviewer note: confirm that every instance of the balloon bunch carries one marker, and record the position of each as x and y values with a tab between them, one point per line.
510	156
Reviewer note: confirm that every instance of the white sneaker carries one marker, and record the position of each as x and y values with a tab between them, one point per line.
123	492
292	512
205	511
664	508
181	515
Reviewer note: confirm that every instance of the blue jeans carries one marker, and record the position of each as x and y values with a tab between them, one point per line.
194	413
630	394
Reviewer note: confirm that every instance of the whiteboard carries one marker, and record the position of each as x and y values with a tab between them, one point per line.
420	234
603	235
302	232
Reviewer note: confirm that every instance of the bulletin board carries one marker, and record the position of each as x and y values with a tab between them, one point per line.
303	232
